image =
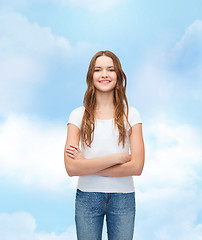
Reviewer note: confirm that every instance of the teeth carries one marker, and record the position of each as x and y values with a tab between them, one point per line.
104	81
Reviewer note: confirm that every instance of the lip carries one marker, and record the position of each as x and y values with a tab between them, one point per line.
104	81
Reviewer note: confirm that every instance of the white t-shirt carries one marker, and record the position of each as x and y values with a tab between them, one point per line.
105	143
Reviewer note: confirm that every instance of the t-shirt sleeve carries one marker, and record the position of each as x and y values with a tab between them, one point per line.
76	116
134	116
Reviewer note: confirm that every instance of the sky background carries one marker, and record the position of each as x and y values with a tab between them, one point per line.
45	49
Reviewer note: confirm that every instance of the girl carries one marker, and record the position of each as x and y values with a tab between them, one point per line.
107	129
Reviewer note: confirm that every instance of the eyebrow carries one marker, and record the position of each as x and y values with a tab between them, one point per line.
107	67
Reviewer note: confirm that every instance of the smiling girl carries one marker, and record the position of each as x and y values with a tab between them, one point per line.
112	151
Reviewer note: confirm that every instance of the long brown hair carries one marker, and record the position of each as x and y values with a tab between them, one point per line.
120	101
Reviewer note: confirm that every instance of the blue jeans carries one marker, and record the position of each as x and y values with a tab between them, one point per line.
90	208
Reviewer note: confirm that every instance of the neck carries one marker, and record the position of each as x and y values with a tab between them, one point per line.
104	100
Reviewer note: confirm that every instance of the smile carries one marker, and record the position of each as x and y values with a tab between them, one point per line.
104	81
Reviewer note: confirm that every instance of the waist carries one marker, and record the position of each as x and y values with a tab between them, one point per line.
95	183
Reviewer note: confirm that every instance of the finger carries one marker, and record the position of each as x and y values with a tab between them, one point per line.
71	155
71	149
70	146
74	146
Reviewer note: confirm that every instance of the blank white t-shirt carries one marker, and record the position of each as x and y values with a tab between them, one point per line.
105	143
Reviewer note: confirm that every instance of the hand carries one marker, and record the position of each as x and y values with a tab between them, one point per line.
125	157
74	152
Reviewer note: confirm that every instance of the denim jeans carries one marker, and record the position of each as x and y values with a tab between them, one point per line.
91	207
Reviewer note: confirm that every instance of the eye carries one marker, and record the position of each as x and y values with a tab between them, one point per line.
96	70
111	70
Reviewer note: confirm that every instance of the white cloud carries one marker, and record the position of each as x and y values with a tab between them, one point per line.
28	54
19	75
153	80
187	53
171	76
32	153
22	226
25	49
169	191
17	5
192	36
98	6
21	37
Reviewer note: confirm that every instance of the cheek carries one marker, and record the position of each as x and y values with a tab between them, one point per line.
95	76
114	76
95	79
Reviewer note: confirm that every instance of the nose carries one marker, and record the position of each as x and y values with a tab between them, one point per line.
104	73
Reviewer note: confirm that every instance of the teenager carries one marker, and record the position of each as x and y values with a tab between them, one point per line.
105	148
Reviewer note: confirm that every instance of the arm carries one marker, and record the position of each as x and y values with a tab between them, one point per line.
135	166
81	167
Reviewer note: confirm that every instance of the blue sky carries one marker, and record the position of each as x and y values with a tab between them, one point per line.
45	49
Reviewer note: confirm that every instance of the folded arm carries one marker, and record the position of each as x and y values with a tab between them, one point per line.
81	166
135	166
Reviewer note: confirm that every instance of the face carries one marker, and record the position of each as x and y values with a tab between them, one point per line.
104	77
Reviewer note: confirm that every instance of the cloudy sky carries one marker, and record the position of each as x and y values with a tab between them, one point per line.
45	49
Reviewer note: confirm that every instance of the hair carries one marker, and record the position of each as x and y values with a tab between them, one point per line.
89	102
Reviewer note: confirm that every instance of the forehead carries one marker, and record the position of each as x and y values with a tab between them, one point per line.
104	61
